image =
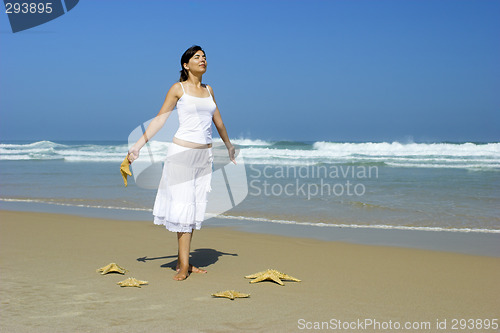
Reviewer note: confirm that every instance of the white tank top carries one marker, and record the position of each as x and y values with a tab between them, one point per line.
195	118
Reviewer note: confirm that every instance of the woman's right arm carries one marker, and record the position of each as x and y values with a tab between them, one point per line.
173	95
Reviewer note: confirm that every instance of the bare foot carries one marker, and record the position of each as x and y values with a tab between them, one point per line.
181	275
192	269
196	269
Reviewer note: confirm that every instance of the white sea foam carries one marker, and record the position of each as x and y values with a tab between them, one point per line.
248	142
434	155
411	149
38	144
58	203
453	166
361	226
395	154
270	220
47	150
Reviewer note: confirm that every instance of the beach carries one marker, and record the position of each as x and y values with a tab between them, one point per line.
362	166
49	281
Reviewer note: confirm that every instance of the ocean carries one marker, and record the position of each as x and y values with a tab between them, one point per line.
443	186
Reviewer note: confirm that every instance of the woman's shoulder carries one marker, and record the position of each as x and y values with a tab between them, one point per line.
177	89
209	88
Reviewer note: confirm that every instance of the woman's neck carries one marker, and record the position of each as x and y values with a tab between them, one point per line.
194	80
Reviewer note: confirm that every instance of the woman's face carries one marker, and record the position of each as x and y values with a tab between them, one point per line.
197	63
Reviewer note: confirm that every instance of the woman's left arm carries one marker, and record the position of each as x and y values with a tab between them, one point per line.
219	124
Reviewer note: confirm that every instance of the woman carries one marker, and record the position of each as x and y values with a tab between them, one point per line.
181	199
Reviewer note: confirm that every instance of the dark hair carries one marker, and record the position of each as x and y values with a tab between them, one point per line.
185	59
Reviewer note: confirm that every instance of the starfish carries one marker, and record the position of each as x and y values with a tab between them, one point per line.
131	282
271	274
231	294
111	268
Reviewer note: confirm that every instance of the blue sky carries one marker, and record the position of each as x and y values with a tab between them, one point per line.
281	70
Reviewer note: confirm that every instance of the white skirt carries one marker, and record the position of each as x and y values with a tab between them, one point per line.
181	200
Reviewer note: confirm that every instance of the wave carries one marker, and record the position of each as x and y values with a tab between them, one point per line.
269	220
48	150
37	144
247	142
469	166
292	145
473	156
410	149
360	226
59	203
417	155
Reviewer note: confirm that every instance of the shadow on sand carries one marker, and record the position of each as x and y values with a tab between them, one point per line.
199	258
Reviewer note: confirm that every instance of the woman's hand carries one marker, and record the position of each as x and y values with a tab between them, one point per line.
231	152
133	154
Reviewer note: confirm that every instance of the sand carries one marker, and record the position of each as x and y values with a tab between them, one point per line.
49	283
